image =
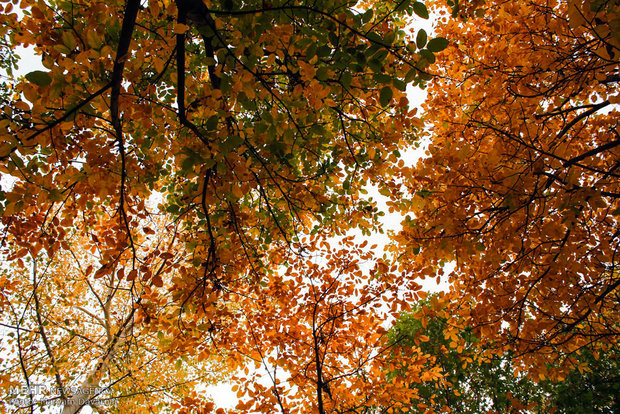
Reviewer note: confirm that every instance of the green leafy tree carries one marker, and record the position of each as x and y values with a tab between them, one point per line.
474	383
593	386
471	384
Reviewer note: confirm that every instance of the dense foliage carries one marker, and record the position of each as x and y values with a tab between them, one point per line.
180	179
165	167
521	187
469	382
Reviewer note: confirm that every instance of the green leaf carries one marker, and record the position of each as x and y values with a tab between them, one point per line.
68	40
323	51
385	96
420	39
188	164
426	76
411	75
212	122
333	38
233	142
423	193
311	51
17	161
346	79
399	84
38	77
55	195
382	78
437	44
210	163
402	5
597	5
370	51
367	16
375	65
321	73
420	9
374	37
427	55
62	49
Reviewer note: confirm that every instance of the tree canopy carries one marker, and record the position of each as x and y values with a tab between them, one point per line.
249	122
470	382
521	185
162	169
180	180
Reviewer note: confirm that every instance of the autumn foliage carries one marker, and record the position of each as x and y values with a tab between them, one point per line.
168	158
318	334
180	179
245	125
521	185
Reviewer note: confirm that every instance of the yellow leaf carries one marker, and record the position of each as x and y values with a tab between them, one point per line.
93	40
180	28
575	16
5	150
237	192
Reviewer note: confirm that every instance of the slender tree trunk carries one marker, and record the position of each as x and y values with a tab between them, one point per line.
86	393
